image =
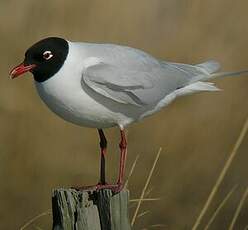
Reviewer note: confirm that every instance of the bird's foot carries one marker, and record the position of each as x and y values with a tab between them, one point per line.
115	188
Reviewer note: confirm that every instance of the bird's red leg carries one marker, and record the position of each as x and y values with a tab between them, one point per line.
103	146
123	153
123	149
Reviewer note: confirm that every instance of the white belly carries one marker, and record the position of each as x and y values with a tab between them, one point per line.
69	101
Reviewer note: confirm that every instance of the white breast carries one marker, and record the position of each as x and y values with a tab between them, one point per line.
65	96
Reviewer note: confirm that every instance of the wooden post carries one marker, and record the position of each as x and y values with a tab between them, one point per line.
90	210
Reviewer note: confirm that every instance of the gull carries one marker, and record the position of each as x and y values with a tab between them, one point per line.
107	85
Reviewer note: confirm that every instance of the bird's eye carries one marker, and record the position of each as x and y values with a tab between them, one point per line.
47	55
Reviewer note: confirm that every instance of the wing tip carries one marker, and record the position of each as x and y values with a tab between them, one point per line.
210	66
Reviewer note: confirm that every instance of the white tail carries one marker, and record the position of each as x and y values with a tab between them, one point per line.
198	86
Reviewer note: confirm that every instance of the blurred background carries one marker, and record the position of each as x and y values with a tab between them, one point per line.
39	151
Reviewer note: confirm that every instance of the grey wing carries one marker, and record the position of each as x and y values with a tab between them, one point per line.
120	84
134	77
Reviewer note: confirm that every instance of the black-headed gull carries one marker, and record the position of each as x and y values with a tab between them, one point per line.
106	85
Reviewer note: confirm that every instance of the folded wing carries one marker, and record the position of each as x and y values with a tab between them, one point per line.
134	77
122	85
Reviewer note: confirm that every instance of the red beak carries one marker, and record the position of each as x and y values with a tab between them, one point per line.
20	69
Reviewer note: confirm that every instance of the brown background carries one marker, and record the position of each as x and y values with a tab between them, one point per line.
39	151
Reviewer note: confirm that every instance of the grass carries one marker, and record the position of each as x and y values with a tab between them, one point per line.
221	205
237	212
142	195
31	221
222	175
131	171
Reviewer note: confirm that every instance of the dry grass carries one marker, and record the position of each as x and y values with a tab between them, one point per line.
145	199
131	171
237	212
142	195
221	205
34	219
155	226
222	174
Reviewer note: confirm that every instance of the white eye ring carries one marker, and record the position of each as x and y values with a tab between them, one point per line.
47	55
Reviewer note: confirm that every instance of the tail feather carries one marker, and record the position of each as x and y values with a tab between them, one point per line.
228	74
198	86
206	77
210	66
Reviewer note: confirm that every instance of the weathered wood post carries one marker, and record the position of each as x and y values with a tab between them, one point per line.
90	210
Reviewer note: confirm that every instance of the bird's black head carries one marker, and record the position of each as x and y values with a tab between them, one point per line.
43	59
